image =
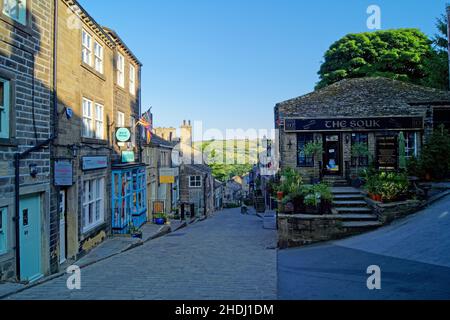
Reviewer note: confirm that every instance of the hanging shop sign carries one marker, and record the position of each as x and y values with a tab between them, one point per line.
354	124
63	173
128	156
94	163
123	134
167	175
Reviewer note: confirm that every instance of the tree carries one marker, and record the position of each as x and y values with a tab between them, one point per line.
437	65
435	155
397	54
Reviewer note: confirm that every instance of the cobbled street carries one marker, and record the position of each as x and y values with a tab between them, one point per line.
229	256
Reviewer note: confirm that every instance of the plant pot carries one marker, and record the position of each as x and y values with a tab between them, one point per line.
311	210
378	197
159	221
326	207
299	205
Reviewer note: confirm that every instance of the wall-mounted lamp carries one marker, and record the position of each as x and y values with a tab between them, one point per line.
74	149
33	170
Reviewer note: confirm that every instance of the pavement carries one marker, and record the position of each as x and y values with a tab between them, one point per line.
227	256
413	254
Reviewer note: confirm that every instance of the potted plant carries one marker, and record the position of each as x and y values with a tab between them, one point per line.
326	197
159	218
312	202
314	149
135	232
358	150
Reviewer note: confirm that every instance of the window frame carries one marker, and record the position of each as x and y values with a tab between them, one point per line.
363	161
5	108
308	161
132	77
4	230
415	148
25	21
99	120
91	131
94	199
120	119
98	58
194	182
120	70
84	47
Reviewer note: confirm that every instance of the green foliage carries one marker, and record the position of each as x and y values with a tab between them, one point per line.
360	150
315	194
390	185
435	155
314	148
291	182
397	54
224	172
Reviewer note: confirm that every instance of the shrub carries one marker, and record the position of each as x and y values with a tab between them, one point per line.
435	155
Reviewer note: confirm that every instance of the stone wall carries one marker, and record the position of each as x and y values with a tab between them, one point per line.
26	61
388	212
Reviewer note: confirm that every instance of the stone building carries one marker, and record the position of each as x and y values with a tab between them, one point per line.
98	101
162	177
26	109
368	111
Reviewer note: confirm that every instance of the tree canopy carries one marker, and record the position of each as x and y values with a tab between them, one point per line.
400	54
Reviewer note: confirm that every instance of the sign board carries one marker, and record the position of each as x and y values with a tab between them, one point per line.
354	124
387	152
123	134
63	173
128	156
94	163
167	175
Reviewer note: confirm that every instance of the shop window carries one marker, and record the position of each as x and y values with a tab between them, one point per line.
3	230
16	10
195	181
363	138
93	203
302	159
411	141
4	108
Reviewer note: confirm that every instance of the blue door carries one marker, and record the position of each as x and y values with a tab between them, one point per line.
30	238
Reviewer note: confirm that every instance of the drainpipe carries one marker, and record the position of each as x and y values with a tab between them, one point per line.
20	156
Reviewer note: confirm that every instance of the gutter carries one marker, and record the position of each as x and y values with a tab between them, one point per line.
19	156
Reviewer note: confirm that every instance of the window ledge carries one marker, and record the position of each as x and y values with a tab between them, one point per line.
8	143
94	228
93	141
25	28
93	71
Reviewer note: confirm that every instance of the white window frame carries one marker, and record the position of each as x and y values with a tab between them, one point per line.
94	203
20	15
415	147
195	181
132	80
98	57
5	109
120	119
99	122
133	131
86	50
88	119
3	230
121	70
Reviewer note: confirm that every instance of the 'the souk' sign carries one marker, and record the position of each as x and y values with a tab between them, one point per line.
354	124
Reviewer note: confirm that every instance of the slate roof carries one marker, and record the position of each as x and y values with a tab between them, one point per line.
200	167
363	97
157	141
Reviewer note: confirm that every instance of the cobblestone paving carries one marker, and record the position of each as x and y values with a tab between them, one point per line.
229	256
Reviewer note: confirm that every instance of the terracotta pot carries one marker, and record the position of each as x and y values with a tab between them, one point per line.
280	195
379	198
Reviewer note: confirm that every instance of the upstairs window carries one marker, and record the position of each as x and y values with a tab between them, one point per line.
4	108
302	159
88	132
99	126
195	181
120	119
132	80
16	10
87	48
120	70
98	52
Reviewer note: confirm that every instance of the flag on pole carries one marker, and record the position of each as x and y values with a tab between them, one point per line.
146	121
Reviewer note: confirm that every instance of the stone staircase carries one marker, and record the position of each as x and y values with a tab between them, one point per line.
335	181
353	210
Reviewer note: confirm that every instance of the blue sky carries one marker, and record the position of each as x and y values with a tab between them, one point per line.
228	62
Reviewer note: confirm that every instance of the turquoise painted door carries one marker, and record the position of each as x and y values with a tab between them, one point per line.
30	238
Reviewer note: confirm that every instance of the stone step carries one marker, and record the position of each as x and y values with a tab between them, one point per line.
362	224
345	190
350	203
357	217
348	197
351	210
